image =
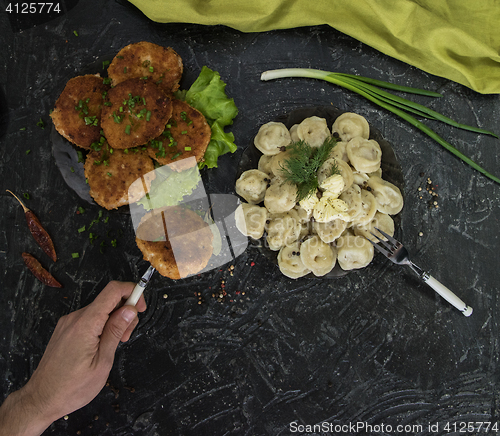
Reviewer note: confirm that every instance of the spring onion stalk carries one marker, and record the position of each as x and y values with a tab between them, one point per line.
397	105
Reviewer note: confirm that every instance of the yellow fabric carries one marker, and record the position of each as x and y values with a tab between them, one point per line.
456	39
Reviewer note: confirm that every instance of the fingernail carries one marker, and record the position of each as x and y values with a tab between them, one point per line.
128	315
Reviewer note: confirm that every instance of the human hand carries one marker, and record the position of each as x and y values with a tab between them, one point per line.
79	357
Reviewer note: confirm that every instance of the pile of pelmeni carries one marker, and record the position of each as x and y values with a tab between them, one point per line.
333	224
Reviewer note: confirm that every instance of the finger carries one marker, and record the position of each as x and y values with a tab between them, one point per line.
114	330
130	329
110	297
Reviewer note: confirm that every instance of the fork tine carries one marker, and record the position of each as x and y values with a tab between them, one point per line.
384	243
385	252
390	238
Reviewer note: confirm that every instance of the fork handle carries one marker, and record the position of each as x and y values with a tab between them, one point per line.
449	296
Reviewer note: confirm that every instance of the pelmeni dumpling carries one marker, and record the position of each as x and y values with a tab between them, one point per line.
361	178
280	196
339	151
277	163
304	214
350	125
380	221
330	231
282	229
354	252
317	256
314	131
352	197
264	165
364	155
251	220
290	263
252	186
293	133
345	171
388	196
305	220
271	137
368	208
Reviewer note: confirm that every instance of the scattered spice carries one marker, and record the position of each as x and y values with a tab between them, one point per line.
39	233
39	271
430	188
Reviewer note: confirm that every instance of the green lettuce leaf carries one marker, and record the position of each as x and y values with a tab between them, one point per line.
208	95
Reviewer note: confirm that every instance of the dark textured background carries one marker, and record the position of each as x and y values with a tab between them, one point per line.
376	346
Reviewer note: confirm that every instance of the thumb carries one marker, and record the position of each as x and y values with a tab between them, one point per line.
114	329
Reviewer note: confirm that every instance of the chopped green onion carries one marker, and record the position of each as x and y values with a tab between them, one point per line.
81	229
187	148
41	124
105	64
75	255
75	32
26	195
28	151
127	129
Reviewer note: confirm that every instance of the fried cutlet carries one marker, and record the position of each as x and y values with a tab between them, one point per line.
187	134
187	248
111	172
135	112
77	112
162	65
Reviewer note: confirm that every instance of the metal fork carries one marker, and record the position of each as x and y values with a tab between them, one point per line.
397	253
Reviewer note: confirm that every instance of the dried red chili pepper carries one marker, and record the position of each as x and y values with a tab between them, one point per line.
39	271
39	233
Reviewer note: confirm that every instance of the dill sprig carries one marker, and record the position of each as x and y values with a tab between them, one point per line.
302	167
